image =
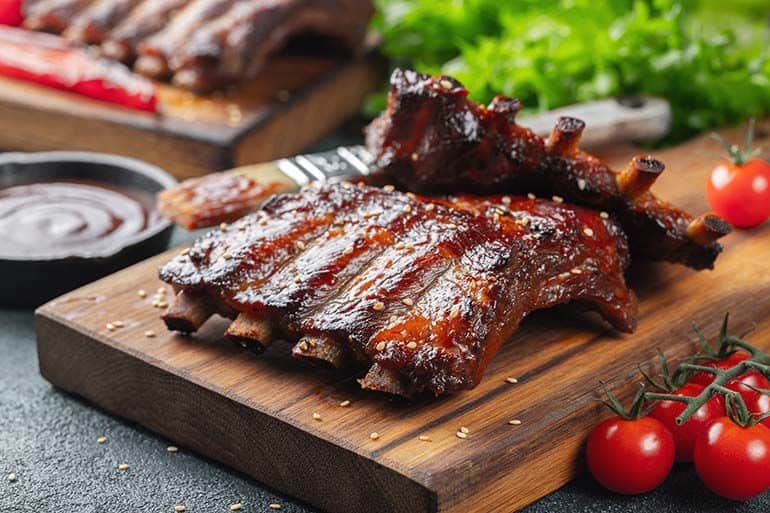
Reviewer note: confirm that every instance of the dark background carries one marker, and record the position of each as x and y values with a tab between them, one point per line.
48	439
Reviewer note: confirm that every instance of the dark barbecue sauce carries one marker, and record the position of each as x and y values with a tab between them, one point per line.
70	218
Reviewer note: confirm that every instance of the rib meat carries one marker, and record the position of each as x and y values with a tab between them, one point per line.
155	52
93	24
149	18
53	15
238	43
432	138
421	292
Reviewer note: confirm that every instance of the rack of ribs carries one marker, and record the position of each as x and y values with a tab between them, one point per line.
432	138
418	292
238	43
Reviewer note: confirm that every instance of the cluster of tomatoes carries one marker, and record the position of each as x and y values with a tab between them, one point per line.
633	453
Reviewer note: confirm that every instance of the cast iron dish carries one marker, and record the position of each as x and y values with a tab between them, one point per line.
100	217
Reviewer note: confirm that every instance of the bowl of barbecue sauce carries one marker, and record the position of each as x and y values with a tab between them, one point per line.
68	218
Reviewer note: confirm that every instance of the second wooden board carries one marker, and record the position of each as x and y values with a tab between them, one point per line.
292	103
290	426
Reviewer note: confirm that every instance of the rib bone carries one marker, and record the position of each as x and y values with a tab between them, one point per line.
565	136
639	175
321	348
707	228
385	380
247	329
189	310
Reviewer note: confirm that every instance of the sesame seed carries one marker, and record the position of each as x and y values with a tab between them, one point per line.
346	185
446	84
149	334
588	231
408	301
180	508
172	448
236	507
514	422
464	429
424	438
412	345
11	477
184	252
581	184
430	206
380	346
452	226
348	250
300	244
161	290
101	440
302	346
455	312
531	196
223	226
399	245
374	436
161	304
142	293
378	306
344	404
415	157
227	256
123	466
388	188
512	381
411	195
604	215
262	222
316	416
524	221
275	505
557	199
462	435
118	324
506	200
407	208
373	213
576	271
110	326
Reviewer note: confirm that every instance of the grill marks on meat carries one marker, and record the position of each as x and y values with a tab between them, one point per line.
432	138
421	292
201	44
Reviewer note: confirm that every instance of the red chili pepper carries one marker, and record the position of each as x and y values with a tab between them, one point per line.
53	62
11	12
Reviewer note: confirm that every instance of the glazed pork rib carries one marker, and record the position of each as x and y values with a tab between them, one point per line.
149	18
93	24
421	292
53	15
238	43
432	138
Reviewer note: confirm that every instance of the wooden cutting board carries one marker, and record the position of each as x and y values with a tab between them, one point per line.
293	102
255	413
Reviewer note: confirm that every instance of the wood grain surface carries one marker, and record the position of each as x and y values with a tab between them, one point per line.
292	103
255	413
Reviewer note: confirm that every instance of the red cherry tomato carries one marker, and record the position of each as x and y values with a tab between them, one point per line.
686	434
733	461
752	377
741	193
630	456
11	12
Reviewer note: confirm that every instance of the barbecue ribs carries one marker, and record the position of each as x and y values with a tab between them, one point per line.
200	44
421	292
432	138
